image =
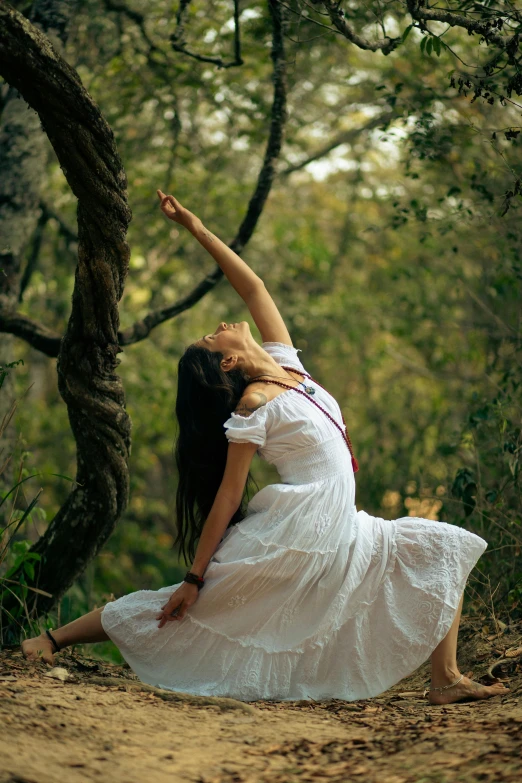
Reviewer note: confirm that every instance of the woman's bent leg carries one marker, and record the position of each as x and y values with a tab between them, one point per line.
444	668
445	671
84	630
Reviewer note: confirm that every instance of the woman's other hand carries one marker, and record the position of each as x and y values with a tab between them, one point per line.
179	602
175	211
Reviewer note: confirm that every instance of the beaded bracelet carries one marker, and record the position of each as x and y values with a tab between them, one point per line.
193	579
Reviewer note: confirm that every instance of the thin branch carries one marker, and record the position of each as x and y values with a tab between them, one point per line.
34	253
503	325
237	38
346	137
336	14
141	329
70	236
134	16
487	29
179	33
177	39
310	20
483	28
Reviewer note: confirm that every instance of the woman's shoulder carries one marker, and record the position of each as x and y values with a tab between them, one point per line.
248	421
250	402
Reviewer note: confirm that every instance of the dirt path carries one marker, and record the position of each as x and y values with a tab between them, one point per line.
97	725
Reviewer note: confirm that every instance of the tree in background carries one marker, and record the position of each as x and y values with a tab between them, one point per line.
411	319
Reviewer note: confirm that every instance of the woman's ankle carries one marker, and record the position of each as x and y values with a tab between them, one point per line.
444	675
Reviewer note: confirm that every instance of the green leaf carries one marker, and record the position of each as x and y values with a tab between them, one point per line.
437	46
429	46
29	569
423	44
406	32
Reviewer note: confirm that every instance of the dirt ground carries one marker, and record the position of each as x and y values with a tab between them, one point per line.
100	723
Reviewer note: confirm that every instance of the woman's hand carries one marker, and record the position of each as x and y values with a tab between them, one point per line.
175	211
178	603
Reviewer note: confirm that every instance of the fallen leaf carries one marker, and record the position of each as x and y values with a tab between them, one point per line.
58	673
513	652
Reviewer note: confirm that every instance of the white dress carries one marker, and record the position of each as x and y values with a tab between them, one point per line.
305	598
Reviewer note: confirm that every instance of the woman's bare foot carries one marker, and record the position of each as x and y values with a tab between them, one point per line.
467	690
39	648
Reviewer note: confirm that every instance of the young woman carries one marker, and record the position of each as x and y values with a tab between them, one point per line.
304	597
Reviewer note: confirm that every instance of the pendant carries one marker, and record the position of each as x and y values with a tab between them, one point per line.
309	389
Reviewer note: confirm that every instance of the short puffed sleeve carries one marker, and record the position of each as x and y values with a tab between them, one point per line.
247	429
284	354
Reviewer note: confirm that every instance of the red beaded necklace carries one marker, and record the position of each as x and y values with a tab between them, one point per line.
343	432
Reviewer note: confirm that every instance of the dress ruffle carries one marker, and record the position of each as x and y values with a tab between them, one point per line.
261	636
247	429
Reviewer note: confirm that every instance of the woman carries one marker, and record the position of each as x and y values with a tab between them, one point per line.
304	598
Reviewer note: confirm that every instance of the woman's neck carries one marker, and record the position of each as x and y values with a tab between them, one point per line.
256	361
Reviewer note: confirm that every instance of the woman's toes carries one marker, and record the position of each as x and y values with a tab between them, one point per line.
468	690
38	649
500	687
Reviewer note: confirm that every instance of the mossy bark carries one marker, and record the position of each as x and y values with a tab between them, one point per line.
87	362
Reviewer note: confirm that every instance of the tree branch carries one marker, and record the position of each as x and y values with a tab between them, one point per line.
134	16
70	236
141	329
177	39
346	137
36	244
336	14
488	29
484	28
37	335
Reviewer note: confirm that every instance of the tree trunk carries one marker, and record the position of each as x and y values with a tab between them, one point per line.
85	147
23	155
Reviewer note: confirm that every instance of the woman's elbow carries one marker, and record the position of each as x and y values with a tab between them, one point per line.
254	289
231	499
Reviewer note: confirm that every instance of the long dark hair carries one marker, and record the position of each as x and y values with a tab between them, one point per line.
206	397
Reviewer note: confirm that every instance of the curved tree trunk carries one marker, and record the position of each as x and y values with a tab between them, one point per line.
87	353
85	147
23	154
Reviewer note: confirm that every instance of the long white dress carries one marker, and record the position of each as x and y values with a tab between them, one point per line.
305	598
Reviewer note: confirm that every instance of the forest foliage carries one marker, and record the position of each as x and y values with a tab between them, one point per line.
390	240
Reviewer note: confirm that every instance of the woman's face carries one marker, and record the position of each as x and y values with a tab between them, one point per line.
228	338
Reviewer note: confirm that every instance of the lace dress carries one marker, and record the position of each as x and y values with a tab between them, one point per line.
306	598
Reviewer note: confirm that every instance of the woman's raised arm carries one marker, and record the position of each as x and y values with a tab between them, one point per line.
244	280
